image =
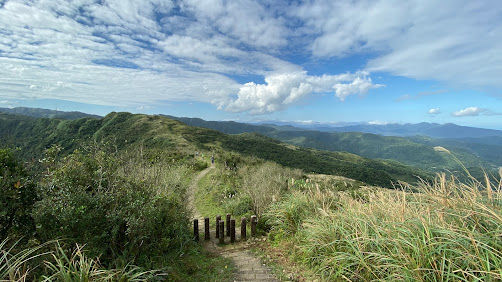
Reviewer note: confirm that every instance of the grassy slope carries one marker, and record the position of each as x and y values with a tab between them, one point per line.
155	132
447	231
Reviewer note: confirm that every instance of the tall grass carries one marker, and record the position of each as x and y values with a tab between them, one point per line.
445	230
265	183
14	263
79	267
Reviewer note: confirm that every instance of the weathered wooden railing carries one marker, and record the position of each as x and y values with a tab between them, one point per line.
220	228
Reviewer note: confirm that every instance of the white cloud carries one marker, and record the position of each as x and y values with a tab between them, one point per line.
245	20
360	85
434	111
470	111
378	122
8	104
282	90
118	54
132	52
458	43
103	85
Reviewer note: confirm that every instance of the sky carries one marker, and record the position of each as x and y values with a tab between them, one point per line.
324	61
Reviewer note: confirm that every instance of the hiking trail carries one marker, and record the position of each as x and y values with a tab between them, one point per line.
248	266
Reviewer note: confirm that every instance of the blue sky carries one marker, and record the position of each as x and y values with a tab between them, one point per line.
311	61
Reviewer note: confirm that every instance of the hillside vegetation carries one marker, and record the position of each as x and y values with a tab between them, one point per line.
417	151
125	130
332	229
444	231
96	214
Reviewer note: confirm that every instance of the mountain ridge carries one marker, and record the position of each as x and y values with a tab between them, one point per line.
45	113
418	151
436	130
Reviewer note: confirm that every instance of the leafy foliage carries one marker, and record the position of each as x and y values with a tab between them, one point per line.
85	200
17	197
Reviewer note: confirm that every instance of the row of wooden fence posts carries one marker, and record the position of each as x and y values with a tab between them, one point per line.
220	228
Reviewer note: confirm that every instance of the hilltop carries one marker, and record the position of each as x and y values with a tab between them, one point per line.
410	144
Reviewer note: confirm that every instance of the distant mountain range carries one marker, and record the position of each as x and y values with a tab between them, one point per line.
475	147
44	113
435	130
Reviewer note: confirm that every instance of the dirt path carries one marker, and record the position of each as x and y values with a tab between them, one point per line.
248	266
191	193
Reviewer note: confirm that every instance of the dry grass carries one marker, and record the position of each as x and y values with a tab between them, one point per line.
446	231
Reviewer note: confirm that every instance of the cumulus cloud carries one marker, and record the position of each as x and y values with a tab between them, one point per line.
470	111
434	111
281	90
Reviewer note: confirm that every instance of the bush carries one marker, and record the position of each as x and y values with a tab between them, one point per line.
17	197
87	200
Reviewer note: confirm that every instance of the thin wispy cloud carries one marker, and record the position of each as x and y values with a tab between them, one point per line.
419	95
456	43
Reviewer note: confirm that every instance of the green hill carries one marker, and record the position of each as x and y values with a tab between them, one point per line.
417	151
124	130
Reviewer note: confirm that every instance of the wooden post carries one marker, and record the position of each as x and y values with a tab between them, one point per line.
207	235
253	226
218	219
196	229
243	229
228	224
222	231
232	231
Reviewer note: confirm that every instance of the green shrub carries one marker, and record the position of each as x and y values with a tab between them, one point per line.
17	197
87	200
